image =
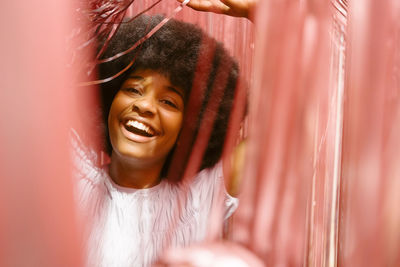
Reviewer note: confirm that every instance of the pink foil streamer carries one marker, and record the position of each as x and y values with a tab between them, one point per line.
297	156
289	199
118	16
37	217
370	214
327	150
187	135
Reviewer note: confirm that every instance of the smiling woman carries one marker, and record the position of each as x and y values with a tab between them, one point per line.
144	122
178	90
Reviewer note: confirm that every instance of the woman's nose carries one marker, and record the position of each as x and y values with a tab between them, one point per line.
145	106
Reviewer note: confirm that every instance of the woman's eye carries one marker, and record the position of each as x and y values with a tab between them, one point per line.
169	103
133	90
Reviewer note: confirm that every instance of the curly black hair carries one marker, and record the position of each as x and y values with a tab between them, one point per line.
190	59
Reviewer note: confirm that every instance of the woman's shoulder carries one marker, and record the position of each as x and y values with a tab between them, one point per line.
211	178
84	159
86	170
208	184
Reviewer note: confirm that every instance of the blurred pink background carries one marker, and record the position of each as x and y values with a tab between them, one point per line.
322	173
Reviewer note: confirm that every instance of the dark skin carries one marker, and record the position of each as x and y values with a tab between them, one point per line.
138	164
148	99
235	8
144	123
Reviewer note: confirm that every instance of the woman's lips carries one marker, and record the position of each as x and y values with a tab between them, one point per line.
136	137
140	128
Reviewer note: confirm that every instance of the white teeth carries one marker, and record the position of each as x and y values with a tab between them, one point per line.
140	126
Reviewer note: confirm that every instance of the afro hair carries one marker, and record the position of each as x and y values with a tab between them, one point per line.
175	50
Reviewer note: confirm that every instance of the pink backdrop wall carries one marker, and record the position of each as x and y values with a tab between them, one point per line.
37	218
321	179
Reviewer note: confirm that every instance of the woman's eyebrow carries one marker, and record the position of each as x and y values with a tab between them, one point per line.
179	92
136	77
171	88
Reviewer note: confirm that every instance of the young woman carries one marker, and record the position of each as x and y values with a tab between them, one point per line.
135	207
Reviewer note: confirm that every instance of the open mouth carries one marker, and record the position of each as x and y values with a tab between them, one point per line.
139	128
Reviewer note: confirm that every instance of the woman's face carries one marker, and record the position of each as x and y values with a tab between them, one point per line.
146	117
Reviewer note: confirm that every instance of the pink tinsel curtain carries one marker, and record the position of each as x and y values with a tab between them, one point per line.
322	167
37	216
321	179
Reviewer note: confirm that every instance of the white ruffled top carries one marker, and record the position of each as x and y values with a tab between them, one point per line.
132	227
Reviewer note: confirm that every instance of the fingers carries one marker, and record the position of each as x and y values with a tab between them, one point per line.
200	5
214	6
238	8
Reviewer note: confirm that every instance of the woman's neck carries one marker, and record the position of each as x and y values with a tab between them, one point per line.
126	174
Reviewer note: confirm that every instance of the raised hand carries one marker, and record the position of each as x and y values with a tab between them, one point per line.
236	8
